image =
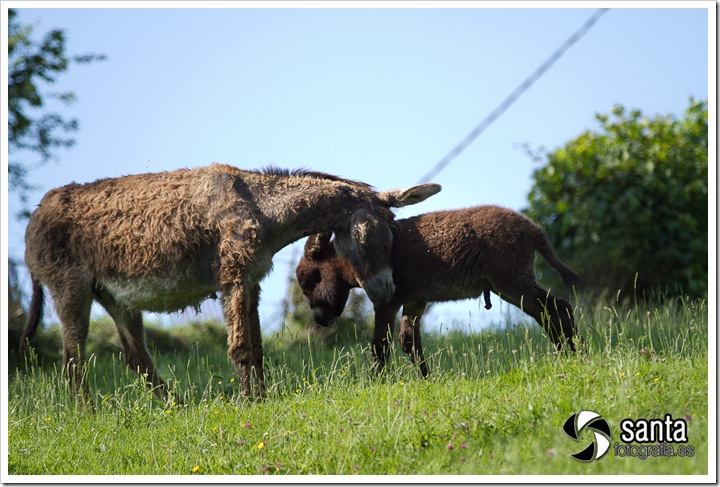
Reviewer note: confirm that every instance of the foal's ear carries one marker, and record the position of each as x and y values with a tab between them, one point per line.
395	198
315	244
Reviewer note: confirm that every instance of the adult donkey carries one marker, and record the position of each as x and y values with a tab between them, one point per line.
165	241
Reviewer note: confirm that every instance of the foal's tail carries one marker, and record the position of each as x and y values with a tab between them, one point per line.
569	276
37	303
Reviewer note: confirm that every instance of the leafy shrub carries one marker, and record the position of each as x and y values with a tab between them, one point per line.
630	200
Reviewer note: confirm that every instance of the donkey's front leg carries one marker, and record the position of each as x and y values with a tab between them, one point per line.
237	305
256	340
384	324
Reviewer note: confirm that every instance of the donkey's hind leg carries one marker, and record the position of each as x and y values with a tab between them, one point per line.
553	314
72	299
132	340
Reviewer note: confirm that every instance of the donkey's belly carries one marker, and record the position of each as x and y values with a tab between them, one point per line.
159	294
445	290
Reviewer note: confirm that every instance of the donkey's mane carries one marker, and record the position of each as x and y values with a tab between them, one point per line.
303	172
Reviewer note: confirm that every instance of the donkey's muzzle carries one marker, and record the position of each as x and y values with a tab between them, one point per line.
323	316
380	287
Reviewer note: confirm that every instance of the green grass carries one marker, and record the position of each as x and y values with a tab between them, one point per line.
494	404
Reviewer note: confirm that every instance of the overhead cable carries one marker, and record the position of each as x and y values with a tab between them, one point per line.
487	121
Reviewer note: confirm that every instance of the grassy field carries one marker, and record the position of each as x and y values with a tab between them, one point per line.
495	404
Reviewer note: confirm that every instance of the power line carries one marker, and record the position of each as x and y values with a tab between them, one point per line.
487	121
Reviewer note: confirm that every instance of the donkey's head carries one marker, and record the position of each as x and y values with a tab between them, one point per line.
365	238
364	241
324	278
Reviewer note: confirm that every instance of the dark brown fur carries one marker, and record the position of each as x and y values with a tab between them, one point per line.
165	241
446	256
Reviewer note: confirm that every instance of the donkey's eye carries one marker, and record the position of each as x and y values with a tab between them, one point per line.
310	280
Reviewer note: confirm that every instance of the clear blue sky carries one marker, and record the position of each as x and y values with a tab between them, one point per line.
378	95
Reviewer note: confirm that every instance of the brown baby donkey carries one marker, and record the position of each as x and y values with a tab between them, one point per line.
445	256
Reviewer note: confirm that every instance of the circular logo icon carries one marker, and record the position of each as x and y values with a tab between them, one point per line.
595	423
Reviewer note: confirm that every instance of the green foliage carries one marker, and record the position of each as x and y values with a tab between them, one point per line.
16	314
494	404
630	199
29	129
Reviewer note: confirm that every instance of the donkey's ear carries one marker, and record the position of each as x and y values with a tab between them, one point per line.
395	198
315	244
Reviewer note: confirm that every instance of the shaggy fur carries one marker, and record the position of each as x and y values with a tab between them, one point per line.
166	241
446	256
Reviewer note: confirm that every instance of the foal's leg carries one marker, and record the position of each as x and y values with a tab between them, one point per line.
410	334
557	317
553	314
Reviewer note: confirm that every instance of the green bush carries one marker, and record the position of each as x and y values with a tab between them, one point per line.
627	206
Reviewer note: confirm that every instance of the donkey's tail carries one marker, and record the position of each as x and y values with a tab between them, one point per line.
569	276
37	303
